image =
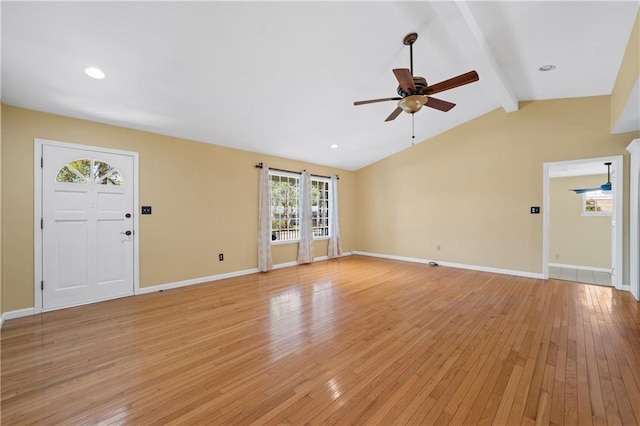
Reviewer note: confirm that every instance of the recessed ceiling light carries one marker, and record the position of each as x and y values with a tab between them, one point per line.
334	146
547	68
93	72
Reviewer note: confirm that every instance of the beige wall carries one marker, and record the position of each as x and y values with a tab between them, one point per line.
469	190
627	75
575	239
204	199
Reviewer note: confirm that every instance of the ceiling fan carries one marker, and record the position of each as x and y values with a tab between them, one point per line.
414	92
603	187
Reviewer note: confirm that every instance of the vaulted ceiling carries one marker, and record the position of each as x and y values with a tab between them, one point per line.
280	78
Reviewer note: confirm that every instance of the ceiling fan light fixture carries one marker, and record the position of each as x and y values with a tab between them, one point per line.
412	104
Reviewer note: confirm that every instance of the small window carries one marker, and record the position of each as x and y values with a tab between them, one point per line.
85	171
597	203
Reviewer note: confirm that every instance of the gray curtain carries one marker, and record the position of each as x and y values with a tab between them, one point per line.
265	263
335	249
305	246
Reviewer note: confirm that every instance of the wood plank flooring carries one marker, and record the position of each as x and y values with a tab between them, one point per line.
355	340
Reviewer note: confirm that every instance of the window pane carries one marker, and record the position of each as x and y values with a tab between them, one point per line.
69	176
82	166
285	195
115	178
320	207
101	169
598	202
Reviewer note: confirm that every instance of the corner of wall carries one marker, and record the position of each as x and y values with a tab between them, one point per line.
623	103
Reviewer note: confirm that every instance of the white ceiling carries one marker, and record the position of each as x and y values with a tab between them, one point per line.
280	78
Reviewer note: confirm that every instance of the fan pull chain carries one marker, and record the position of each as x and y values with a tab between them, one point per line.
413	130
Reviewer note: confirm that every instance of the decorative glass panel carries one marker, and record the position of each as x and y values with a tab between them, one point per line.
82	166
83	171
101	169
115	178
69	176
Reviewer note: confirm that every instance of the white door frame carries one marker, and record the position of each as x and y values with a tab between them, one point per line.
37	212
616	237
634	218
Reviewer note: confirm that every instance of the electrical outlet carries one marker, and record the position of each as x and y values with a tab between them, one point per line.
221	257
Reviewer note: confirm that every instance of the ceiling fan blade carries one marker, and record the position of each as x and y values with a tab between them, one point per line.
451	83
439	104
396	112
371	101
404	77
583	190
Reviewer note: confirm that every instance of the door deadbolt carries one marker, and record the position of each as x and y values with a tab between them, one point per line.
126	233
128	215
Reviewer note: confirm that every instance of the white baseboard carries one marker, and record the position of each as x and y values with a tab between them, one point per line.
144	290
285	265
455	265
201	280
17	314
580	267
194	281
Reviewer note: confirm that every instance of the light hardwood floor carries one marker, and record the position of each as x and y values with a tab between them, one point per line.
353	340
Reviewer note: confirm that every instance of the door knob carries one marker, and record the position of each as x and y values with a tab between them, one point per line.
126	233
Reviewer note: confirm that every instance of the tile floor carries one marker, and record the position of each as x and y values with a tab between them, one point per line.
580	275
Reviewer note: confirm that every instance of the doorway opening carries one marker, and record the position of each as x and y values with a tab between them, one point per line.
592	266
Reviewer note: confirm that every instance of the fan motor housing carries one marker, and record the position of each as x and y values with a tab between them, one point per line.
419	82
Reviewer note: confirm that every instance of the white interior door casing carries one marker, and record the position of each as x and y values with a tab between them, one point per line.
87	209
634	218
616	216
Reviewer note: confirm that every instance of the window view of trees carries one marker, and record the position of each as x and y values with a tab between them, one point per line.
320	208
598	202
285	207
285	202
592	206
85	170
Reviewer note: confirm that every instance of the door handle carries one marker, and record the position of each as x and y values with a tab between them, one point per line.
126	233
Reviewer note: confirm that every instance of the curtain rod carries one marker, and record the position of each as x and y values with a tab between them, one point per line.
260	166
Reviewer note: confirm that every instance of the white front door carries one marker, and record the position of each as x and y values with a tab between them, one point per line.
87	226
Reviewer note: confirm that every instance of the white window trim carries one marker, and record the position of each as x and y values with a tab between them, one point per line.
297	176
329	200
289	175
